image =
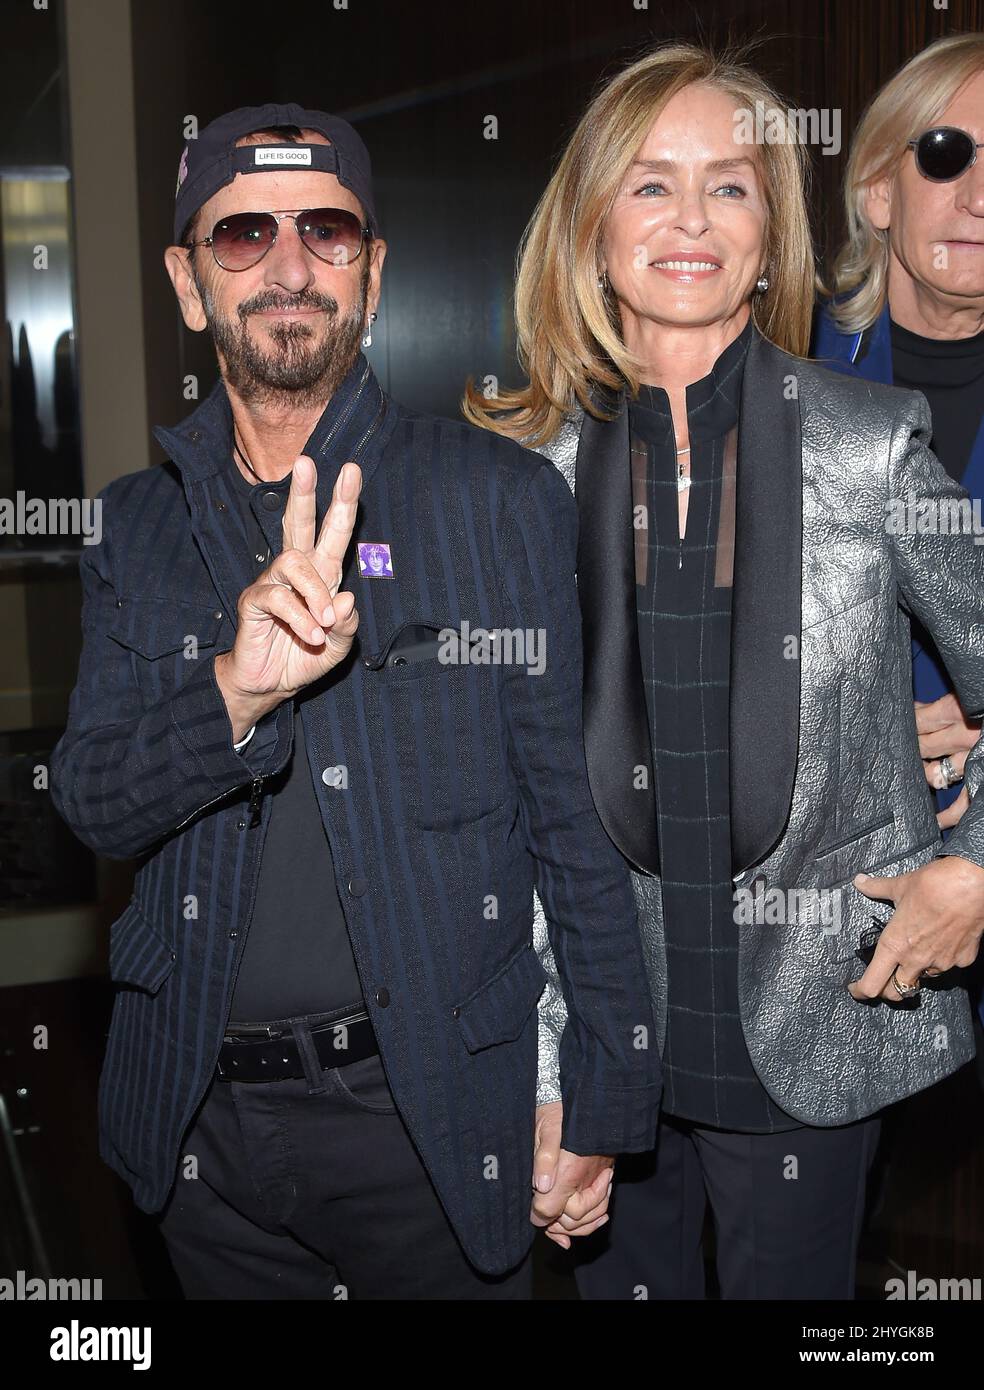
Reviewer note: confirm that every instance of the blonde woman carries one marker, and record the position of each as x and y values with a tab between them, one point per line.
748	720
907	305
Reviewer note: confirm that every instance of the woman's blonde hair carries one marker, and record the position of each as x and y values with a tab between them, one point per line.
911	102
567	327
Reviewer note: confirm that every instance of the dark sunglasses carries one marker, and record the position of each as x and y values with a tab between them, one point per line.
944	153
332	234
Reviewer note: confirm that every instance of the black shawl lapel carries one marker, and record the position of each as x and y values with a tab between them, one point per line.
616	722
766	604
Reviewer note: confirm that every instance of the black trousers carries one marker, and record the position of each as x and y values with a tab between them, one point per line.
787	1212
312	1188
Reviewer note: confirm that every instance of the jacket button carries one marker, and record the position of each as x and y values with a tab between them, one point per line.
194	436
356	887
383	997
456	1012
271	501
217	613
233	935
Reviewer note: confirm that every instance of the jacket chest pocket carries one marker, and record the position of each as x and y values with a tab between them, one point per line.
441	722
165	639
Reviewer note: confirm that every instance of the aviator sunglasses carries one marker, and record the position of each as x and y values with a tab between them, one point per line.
944	153
240	240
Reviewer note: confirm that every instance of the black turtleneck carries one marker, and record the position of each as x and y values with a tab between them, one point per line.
950	374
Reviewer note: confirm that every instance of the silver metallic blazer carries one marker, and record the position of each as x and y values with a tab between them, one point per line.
846	524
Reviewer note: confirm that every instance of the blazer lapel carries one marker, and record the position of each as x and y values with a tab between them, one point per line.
766	605
616	722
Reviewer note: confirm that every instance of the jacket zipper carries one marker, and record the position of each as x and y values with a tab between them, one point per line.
204	807
344	417
254	802
253	808
379	415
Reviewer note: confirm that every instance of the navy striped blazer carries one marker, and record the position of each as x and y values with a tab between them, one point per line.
446	792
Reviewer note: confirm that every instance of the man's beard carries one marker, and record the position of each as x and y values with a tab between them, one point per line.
294	374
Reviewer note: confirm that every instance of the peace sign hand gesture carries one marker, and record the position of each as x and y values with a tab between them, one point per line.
294	625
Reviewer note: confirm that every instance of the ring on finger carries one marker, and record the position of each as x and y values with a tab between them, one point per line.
903	990
949	773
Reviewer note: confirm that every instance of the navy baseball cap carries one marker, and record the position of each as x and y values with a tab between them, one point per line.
214	159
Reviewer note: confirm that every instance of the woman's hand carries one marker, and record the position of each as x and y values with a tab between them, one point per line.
945	732
937	924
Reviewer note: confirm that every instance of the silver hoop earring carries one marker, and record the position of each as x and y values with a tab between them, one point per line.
762	284
603	282
367	340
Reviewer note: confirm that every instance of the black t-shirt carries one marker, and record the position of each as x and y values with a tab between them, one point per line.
950	374
297	958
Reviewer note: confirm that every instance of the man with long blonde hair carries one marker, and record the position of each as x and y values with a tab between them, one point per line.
907	305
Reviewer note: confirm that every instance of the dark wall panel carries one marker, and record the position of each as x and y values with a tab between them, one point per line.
419	80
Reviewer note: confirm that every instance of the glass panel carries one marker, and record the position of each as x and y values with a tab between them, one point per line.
42	519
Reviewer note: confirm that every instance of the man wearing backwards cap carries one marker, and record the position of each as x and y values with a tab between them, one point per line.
321	1066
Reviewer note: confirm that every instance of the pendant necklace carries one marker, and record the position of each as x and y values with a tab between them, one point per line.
683	480
261	559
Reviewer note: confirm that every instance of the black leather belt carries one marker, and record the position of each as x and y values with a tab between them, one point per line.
263	1052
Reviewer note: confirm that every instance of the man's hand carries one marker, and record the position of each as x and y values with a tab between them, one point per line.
294	626
570	1192
945	732
937	924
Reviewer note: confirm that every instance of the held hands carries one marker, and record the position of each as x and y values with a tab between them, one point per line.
294	626
945	732
570	1193
937	924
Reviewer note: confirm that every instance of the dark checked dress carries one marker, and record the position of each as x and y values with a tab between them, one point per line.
683	605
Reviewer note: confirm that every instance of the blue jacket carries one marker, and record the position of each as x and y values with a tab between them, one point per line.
464	785
869	355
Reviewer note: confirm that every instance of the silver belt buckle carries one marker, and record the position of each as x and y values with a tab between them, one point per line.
252	1030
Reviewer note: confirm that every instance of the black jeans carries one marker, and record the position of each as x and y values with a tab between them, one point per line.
787	1214
312	1188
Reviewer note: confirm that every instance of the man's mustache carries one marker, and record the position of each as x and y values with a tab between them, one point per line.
261	303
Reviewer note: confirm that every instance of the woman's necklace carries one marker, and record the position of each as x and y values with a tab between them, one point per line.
683	480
